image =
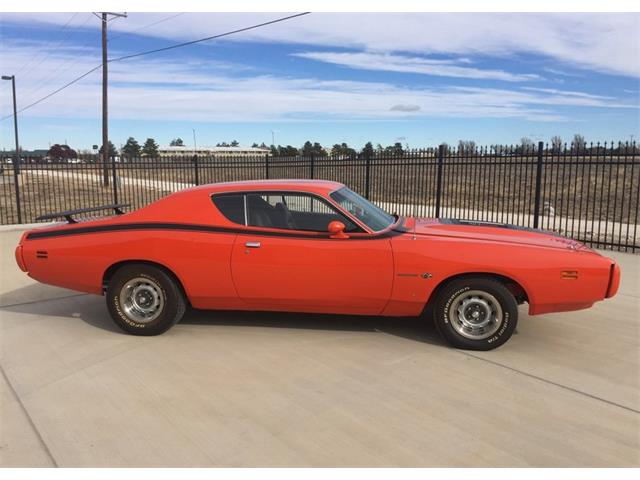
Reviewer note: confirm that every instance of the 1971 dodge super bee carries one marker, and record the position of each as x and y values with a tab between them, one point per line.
313	246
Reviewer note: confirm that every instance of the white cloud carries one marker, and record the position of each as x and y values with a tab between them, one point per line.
568	93
402	63
596	41
189	89
405	108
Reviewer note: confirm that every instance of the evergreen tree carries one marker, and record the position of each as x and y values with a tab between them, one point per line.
287	151
367	150
150	148
307	149
113	151
131	149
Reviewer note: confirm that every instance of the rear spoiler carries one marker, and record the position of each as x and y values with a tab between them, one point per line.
68	214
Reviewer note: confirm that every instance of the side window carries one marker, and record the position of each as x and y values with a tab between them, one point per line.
293	211
231	206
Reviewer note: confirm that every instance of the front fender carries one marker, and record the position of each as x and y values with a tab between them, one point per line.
540	271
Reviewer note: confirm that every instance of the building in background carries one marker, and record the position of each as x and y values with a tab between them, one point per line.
235	152
26	156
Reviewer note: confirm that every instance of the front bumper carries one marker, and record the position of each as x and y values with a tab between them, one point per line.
614	280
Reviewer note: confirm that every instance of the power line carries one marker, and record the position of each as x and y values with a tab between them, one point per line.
213	37
149	52
55	91
67	64
136	30
62	29
59	70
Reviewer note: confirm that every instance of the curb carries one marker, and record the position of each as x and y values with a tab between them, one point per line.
24	226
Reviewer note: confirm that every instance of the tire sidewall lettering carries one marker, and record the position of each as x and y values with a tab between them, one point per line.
116	302
505	324
445	314
447	329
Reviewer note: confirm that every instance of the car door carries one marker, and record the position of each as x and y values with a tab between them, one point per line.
285	259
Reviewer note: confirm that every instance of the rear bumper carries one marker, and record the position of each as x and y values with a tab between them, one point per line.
19	256
20	259
614	280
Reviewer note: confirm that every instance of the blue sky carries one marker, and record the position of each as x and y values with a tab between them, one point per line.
418	78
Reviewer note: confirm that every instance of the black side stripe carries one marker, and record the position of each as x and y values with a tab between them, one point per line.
192	228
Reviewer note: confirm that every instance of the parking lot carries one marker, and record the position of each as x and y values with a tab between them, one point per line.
258	389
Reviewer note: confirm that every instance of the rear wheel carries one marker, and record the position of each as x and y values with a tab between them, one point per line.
144	300
475	313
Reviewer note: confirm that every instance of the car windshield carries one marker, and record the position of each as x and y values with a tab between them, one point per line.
373	217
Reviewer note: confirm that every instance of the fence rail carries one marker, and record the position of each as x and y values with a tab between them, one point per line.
590	193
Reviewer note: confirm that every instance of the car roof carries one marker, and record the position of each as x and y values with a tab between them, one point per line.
313	186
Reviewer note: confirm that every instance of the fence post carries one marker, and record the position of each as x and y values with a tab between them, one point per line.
536	207
113	175
16	184
312	166
196	170
439	179
266	166
367	174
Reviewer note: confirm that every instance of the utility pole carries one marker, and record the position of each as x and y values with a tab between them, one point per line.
105	109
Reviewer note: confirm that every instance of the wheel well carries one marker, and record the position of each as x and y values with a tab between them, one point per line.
109	272
514	287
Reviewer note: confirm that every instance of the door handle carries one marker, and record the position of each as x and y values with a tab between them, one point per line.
252	244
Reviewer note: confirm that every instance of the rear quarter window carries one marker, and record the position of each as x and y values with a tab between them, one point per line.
231	206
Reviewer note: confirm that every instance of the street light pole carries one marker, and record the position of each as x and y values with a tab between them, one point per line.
16	157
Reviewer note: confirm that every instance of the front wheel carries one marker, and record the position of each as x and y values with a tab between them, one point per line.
475	313
144	300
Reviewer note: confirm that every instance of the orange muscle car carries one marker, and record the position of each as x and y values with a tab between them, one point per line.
313	246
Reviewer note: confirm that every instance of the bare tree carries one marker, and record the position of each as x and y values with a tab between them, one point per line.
579	143
526	142
466	146
556	143
526	145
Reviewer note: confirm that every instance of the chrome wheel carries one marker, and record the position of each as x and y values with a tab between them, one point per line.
475	314
141	300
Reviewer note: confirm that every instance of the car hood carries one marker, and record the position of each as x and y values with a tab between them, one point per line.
489	231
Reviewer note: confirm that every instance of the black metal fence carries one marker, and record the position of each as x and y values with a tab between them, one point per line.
590	193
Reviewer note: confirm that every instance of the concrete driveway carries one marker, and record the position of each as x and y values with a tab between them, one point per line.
255	389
